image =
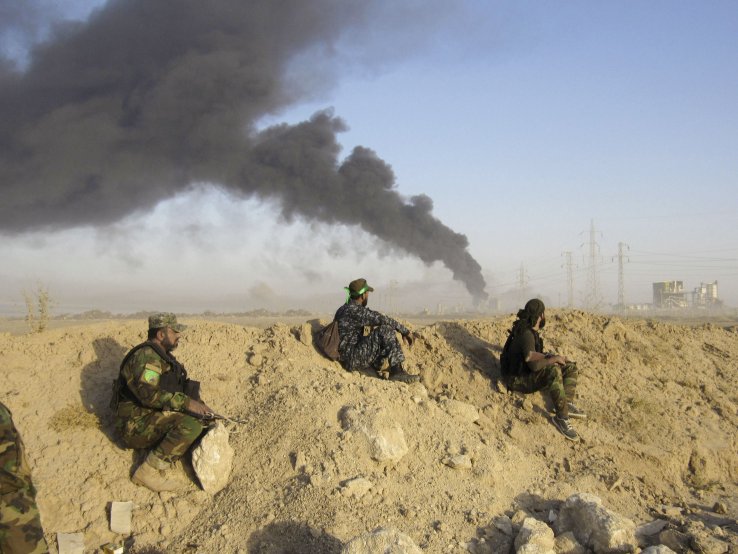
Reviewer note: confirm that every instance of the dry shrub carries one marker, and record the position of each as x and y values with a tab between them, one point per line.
38	308
73	416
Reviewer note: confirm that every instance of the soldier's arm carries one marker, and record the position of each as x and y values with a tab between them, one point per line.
143	374
375	318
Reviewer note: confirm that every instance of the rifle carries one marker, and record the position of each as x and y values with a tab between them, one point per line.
212	416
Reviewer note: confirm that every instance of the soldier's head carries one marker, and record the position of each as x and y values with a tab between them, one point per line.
534	313
164	329
358	290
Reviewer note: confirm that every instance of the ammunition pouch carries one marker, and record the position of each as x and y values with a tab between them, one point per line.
192	389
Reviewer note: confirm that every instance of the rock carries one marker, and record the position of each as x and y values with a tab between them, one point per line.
386	541
385	438
653	528
703	541
504	524
675	540
534	537
720	508
658	549
461	410
213	458
462	461
596	527
566	543
356	488
704	467
256	360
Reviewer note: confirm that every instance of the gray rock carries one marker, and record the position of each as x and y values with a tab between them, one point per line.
504	524
535	537
567	543
658	549
596	527
675	540
384	541
652	528
385	438
213	458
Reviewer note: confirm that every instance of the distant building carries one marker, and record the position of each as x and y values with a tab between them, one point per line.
706	295
669	294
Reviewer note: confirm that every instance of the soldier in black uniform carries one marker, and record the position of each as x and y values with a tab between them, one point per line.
359	351
527	369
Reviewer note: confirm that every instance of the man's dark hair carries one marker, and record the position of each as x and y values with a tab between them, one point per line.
152	333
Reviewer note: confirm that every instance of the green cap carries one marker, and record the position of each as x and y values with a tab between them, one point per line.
165	319
359	287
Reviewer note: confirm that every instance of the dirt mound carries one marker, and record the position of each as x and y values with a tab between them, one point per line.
661	436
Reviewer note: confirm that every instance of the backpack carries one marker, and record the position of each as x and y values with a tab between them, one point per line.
327	340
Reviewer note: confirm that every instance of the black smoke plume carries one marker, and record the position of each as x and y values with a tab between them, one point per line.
148	97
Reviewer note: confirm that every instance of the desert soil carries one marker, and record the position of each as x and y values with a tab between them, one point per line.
660	438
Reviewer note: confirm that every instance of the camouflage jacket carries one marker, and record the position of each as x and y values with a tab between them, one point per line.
353	317
151	378
15	474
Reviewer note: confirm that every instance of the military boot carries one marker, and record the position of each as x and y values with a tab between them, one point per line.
398	373
156	475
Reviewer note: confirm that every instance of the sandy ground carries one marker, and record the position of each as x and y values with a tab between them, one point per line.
661	435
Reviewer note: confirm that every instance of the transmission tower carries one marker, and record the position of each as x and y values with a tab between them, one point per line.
621	275
569	279
522	283
593	300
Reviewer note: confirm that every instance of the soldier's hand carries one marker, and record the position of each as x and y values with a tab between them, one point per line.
409	339
197	408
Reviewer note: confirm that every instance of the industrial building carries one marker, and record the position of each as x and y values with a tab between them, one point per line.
671	294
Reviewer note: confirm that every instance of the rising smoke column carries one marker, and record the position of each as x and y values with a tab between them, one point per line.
146	98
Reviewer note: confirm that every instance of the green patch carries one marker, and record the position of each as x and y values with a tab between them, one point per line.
150	377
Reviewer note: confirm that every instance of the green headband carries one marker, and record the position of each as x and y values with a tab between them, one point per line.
348	292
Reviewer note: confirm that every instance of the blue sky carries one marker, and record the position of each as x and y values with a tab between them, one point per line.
524	122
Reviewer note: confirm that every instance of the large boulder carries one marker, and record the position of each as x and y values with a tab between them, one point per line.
384	437
534	537
596	527
212	459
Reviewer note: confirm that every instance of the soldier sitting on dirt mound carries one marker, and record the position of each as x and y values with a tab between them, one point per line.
526	369
358	351
151	397
20	522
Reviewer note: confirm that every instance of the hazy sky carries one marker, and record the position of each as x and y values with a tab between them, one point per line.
524	122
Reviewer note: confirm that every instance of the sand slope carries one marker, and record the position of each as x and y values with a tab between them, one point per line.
661	435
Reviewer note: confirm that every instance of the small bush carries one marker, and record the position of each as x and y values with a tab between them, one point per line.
38	308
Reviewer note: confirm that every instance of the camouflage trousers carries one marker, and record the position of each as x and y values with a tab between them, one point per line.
171	433
20	524
369	352
559	381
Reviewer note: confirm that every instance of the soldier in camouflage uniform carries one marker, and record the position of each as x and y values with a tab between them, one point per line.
156	405
20	522
359	351
527	369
